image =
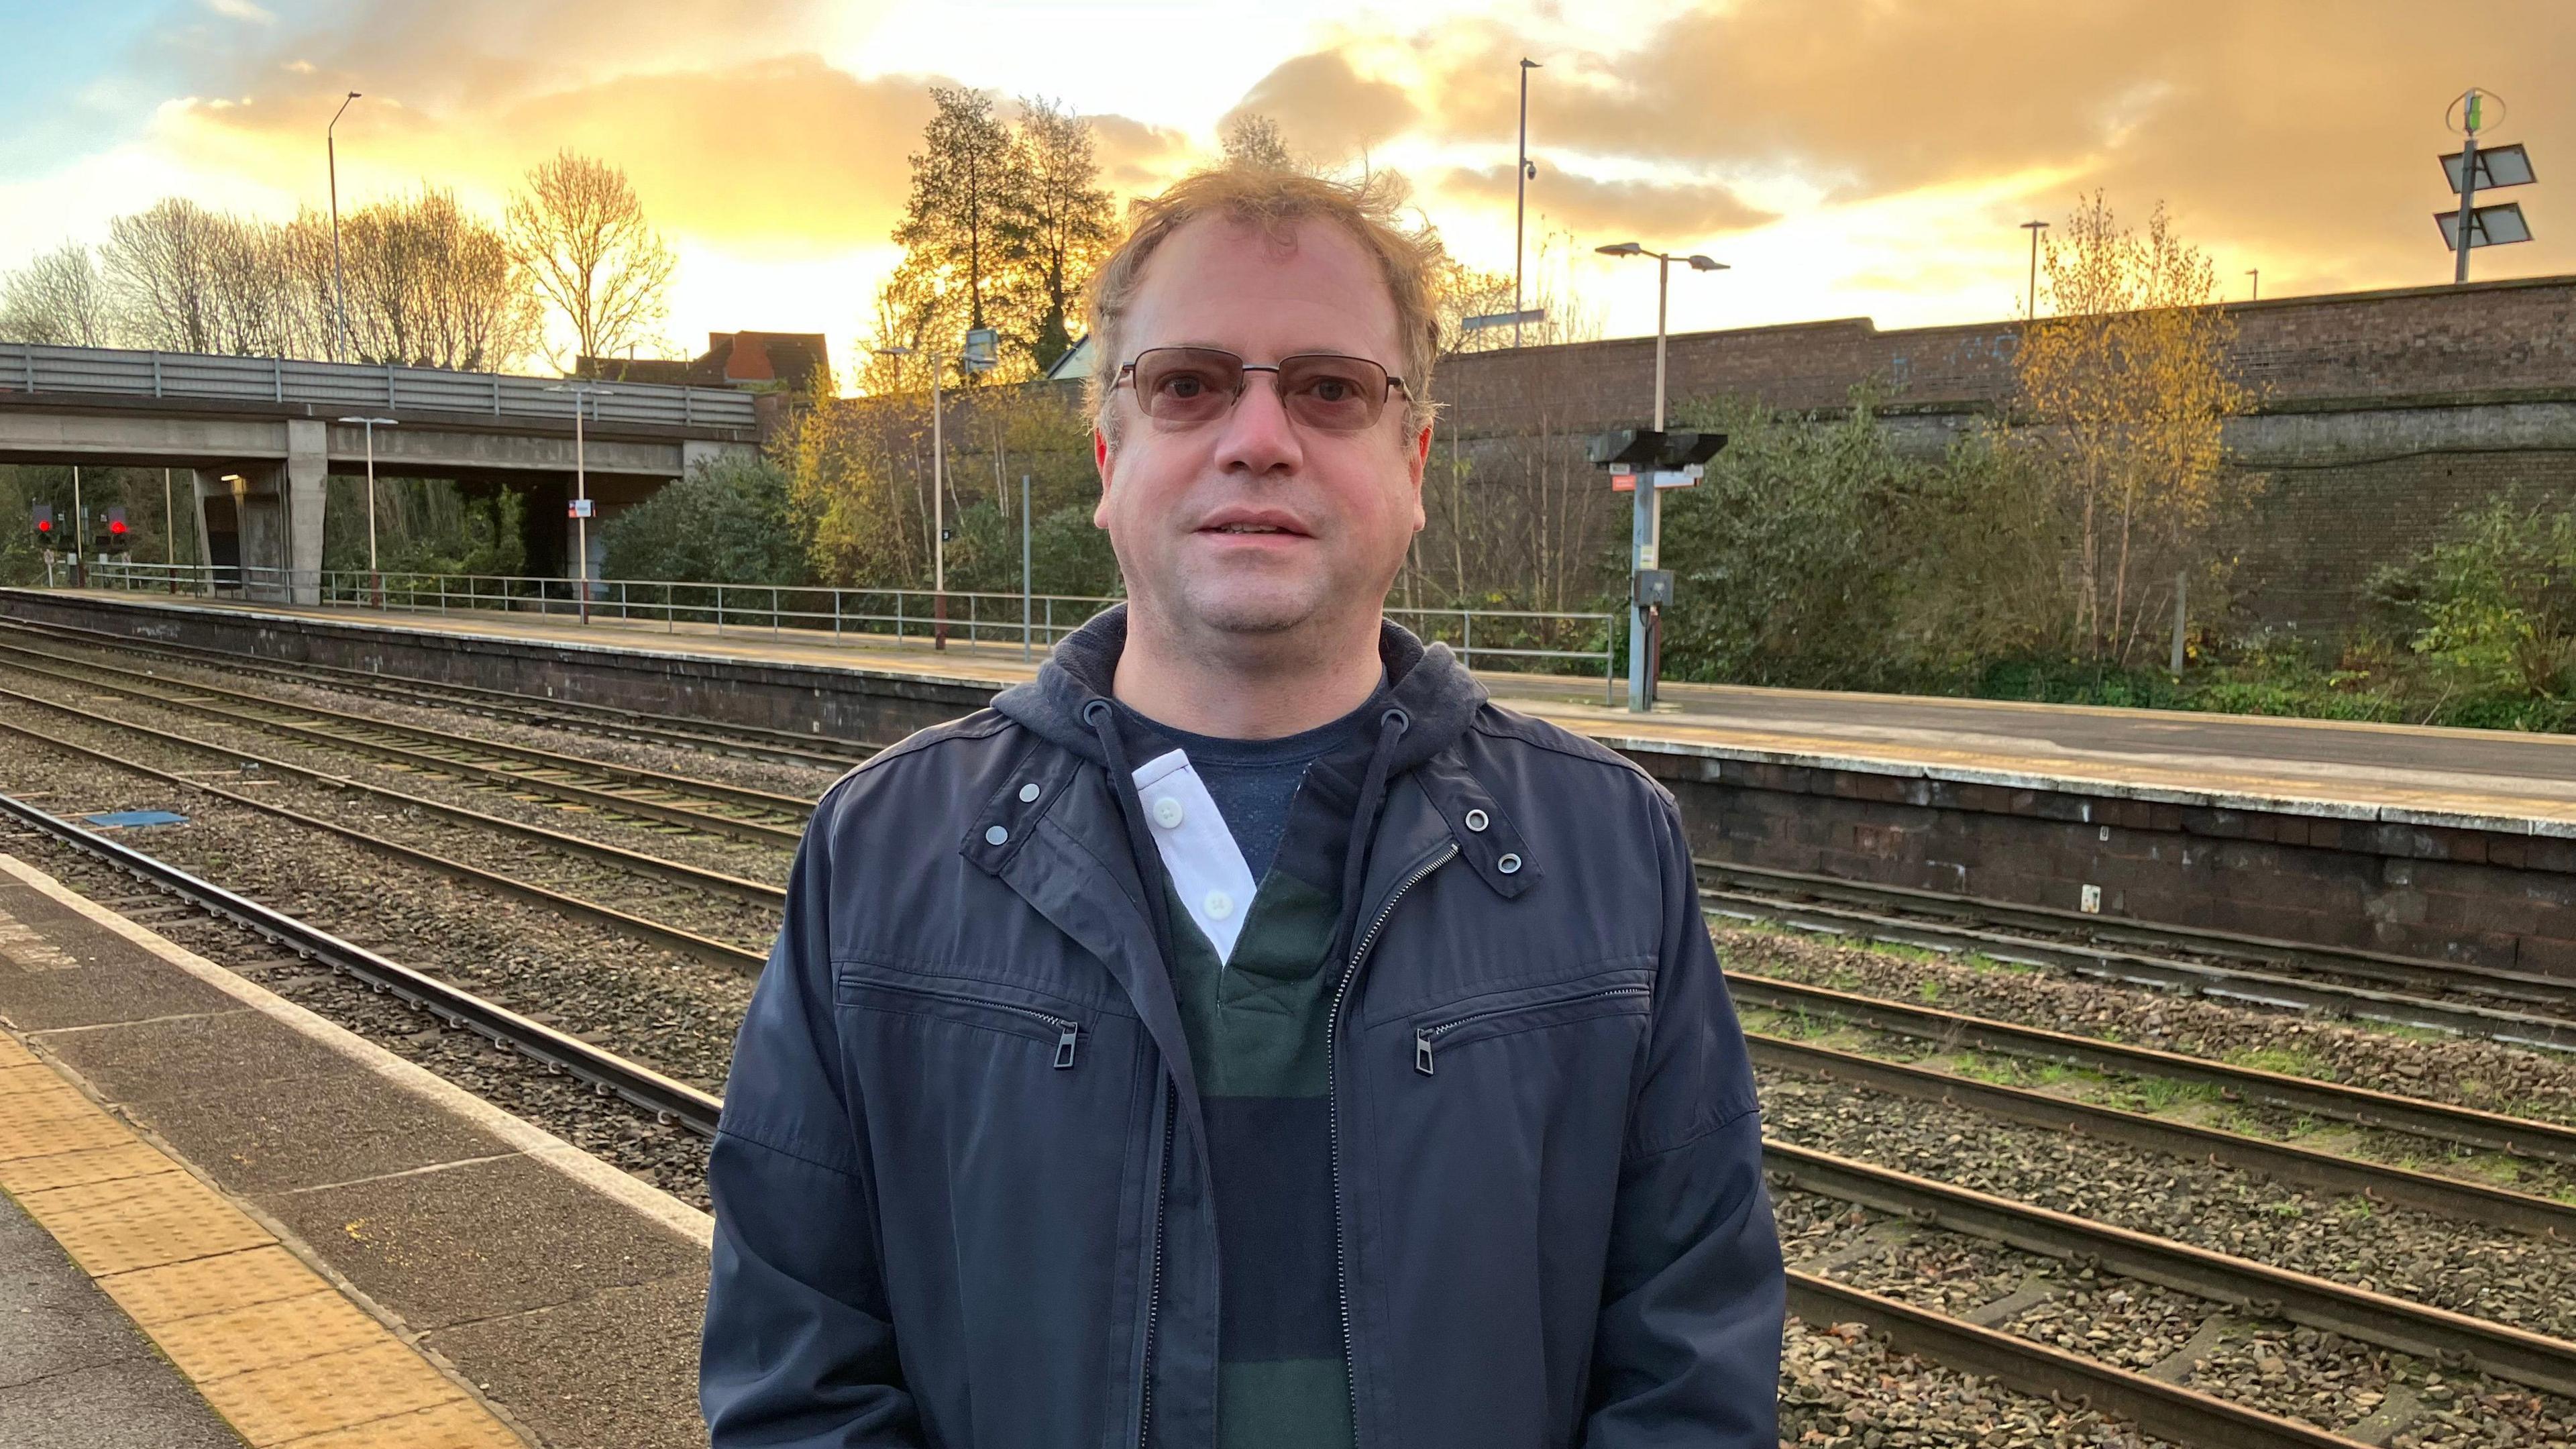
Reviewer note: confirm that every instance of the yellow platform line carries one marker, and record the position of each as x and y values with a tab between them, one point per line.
272	1346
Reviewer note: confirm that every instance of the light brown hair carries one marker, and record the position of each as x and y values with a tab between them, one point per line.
1276	200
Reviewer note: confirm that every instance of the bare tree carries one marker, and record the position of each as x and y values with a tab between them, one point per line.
160	268
582	235
433	285
59	298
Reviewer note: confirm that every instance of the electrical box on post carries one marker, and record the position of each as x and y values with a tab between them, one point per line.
1652	588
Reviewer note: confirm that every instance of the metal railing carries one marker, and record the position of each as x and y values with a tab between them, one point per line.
1518	639
30	368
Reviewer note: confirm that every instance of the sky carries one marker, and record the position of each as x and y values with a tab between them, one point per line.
1844	157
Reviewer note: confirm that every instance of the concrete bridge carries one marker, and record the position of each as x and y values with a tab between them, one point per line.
261	434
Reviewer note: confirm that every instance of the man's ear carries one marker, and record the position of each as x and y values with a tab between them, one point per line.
1102	459
1415	461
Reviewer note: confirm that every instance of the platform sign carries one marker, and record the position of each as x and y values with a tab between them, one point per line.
1664	478
578	508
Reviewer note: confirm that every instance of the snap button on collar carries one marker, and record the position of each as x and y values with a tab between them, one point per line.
1477	820
1508	865
996	835
1028	792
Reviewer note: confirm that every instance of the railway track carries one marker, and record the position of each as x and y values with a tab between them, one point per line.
2458	999
1983	1340
641	726
710	805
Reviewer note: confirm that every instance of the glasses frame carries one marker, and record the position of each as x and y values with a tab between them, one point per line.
1243	371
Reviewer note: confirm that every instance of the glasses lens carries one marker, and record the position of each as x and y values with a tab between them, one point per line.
1187	384
1332	393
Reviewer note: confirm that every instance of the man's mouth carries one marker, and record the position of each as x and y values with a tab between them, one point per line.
1247	528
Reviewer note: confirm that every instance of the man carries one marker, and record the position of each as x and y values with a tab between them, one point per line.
1245	1034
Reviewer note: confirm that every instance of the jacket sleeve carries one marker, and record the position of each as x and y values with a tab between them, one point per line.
799	1349
1687	1350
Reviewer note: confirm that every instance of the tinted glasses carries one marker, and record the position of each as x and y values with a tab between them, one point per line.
1320	390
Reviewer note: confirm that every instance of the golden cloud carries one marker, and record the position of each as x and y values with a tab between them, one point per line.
1327	109
1672	213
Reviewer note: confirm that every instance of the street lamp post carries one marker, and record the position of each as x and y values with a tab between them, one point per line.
2257	274
1520	197
981	353
339	302
1647	519
581	492
375	579
80	535
2031	300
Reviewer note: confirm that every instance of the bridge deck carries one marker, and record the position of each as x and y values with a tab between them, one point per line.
2396	773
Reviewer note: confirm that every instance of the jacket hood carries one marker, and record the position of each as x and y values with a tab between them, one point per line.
1437	694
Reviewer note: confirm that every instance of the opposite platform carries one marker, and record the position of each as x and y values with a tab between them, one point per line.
333	1247
2478	779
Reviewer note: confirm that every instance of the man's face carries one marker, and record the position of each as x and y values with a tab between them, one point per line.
1252	524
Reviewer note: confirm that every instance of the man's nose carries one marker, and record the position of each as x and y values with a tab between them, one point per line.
1257	436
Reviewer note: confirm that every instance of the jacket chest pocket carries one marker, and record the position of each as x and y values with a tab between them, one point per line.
861	985
1457	1026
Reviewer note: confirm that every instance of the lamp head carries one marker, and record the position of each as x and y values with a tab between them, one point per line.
1620	249
1700	263
1528	64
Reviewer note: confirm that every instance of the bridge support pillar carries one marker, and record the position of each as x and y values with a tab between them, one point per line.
218	539
302	482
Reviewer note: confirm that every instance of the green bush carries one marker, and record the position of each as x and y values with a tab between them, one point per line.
2492	603
727	522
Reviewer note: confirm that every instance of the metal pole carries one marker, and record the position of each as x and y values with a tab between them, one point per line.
2031	297
2257	274
375	576
2179	606
1024	568
581	519
2468	194
938	518
80	534
169	532
1520	203
1641	689
339	300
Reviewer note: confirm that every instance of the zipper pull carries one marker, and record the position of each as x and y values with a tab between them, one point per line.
1422	1051
1064	1047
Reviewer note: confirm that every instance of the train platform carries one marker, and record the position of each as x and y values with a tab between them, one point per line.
226	1221
2381	773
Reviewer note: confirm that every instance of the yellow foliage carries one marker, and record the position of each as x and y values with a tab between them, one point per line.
2128	385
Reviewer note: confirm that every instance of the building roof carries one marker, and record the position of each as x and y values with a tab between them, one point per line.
799	360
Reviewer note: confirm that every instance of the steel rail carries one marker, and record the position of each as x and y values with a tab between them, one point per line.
643	726
2298	1166
704	948
2448	1338
2167	1411
2407	972
2439	1121
607	800
609	1074
739	887
795	807
2225	983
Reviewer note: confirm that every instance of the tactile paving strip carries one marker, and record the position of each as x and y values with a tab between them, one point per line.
269	1343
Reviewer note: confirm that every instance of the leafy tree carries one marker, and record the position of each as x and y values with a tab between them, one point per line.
1252	140
1058	233
728	522
2127	387
581	232
967	185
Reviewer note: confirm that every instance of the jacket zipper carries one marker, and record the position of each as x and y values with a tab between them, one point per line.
1154	1290
1425	1036
1333	1112
1068	1032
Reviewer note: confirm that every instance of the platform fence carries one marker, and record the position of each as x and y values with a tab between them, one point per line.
1525	640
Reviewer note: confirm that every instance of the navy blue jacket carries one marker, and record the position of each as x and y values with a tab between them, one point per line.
961	1184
